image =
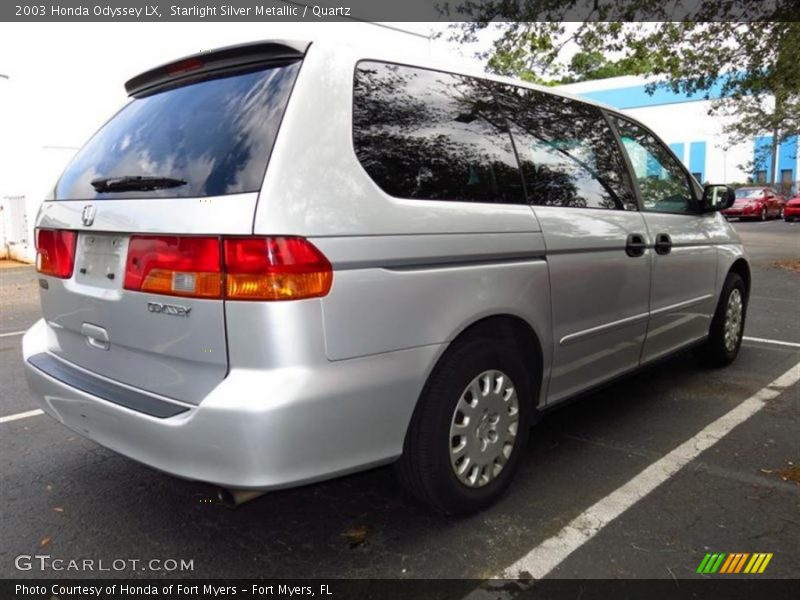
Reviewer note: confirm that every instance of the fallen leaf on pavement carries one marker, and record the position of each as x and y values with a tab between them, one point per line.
790	265
789	474
356	535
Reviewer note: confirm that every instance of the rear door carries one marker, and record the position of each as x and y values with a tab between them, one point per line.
577	182
147	200
684	257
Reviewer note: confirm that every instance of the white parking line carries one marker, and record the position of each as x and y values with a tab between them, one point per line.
545	557
22	415
13	333
774	342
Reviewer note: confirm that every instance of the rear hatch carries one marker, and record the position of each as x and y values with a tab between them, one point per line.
130	246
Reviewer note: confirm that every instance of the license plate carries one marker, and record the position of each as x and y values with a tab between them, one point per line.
100	260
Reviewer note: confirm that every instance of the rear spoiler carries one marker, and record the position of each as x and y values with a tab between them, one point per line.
199	66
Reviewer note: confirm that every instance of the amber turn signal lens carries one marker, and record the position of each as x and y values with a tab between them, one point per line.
276	286
178	283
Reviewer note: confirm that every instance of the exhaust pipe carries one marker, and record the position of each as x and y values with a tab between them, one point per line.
234	498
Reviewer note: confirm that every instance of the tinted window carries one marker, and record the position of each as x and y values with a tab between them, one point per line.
432	135
216	135
750	193
567	152
663	184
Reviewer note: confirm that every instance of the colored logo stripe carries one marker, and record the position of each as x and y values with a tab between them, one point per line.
711	563
727	564
734	562
758	563
738	563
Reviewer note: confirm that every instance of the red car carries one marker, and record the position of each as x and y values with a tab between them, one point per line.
756	203
792	209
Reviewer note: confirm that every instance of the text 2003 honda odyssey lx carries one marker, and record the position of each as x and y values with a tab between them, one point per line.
283	262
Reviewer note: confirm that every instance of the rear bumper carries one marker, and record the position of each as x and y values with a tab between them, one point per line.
258	429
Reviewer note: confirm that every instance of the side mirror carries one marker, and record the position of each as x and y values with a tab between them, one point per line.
718	197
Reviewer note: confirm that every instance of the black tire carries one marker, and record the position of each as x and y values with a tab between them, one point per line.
424	469
763	214
714	352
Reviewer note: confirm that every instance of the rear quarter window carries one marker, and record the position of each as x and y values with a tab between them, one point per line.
216	135
423	134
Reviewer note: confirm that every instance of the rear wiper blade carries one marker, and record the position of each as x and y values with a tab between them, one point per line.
138	183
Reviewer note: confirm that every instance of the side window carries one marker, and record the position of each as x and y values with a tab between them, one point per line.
424	134
663	183
567	152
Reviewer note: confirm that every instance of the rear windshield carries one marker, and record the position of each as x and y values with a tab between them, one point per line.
749	193
207	139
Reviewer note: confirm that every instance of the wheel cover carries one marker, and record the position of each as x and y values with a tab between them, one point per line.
483	430
733	320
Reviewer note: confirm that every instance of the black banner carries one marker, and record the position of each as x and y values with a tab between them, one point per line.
397	11
730	588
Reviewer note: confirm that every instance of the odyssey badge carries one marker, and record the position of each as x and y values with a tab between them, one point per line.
169	309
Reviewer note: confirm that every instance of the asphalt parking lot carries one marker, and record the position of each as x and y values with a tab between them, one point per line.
68	498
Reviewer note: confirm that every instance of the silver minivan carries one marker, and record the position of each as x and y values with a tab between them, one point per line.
282	262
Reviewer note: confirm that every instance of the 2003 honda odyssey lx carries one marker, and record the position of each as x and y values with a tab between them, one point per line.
283	262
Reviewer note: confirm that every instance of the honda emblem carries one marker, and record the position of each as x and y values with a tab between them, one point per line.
87	216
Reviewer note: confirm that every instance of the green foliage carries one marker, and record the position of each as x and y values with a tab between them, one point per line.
586	66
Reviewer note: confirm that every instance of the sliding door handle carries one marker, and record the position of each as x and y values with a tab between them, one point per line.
635	245
663	244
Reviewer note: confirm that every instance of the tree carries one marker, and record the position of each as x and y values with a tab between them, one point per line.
741	55
586	66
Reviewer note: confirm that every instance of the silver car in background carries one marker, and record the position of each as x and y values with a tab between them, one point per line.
282	262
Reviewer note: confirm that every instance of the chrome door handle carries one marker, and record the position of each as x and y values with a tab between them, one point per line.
96	336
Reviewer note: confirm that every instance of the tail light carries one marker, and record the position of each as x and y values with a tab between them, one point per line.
277	268
252	268
55	252
175	266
